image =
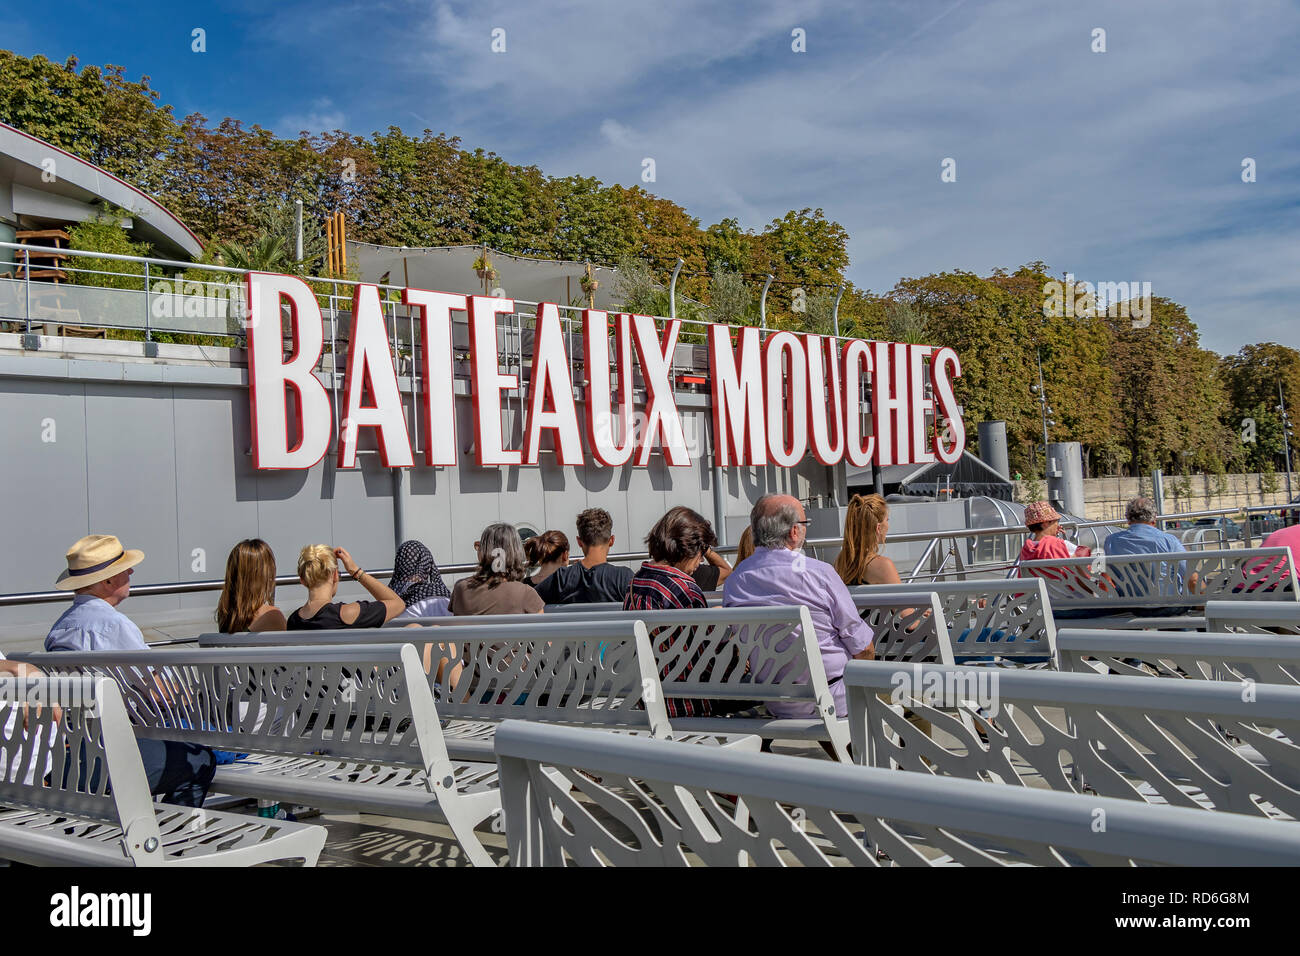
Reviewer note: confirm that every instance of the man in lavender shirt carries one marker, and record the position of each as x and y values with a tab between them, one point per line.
779	573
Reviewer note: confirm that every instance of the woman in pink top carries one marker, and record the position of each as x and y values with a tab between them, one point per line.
1045	542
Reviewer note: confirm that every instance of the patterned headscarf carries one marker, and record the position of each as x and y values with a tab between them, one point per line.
416	575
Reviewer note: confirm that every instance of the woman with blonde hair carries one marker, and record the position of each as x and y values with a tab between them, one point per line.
318	570
866	525
247	601
746	546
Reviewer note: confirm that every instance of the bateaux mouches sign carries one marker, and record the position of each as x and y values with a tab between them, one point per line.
774	399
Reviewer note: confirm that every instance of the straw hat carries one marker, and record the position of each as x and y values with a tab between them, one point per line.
1040	512
95	558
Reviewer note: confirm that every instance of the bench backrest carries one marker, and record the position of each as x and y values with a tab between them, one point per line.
593	672
907	626
1122	736
672	804
1263	618
1188	654
95	771
734	653
367	702
998	617
1163	580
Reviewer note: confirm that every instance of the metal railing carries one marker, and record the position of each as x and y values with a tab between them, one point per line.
936	553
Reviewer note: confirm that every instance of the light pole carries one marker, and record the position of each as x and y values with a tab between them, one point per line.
1286	436
1043	407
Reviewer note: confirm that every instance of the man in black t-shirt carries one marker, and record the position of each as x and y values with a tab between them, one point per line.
592	580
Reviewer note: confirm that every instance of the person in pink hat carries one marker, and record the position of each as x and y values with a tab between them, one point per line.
1045	542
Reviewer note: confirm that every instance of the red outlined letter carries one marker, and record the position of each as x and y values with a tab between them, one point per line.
921	406
269	374
599	416
736	381
943	369
825	399
661	416
857	358
551	374
488	382
370	361
785	387
438	395
889	404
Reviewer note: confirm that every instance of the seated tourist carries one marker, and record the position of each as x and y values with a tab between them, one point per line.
779	573
677	545
593	580
547	552
498	586
418	582
712	571
99	573
745	547
1143	537
1045	541
866	523
318	570
247	601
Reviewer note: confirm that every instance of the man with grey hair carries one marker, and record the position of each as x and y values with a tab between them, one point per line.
1143	537
779	573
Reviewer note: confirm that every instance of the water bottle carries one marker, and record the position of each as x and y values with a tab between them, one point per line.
269	808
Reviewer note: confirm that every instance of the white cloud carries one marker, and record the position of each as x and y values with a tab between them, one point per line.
322	117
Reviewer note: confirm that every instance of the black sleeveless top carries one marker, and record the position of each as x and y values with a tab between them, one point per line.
327	618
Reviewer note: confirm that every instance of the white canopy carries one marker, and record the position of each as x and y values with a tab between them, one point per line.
451	269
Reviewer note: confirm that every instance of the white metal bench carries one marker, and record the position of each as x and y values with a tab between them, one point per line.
1192	655
593	673
92	806
1131	737
1135	582
622	801
346	728
1264	618
1000	619
756	654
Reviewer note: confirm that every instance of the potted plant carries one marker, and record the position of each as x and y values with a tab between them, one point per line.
483	267
589	282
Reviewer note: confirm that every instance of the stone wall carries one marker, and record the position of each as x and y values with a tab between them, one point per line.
1106	497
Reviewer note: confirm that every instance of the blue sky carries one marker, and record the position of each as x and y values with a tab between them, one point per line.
1117	166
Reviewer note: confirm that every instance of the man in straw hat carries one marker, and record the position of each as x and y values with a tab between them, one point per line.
99	571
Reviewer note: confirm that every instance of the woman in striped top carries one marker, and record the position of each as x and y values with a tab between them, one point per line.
677	544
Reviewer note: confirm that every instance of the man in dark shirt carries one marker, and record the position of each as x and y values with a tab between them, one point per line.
592	580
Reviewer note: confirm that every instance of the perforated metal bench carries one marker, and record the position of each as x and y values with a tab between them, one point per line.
622	801
592	673
1137	582
339	728
1189	655
759	654
1131	737
1273	617
74	793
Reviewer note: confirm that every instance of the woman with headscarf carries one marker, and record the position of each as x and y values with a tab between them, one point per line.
417	581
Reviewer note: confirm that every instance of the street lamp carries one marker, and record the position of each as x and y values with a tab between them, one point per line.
1044	408
1286	436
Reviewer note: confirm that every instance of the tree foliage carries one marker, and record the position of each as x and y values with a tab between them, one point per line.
1134	397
